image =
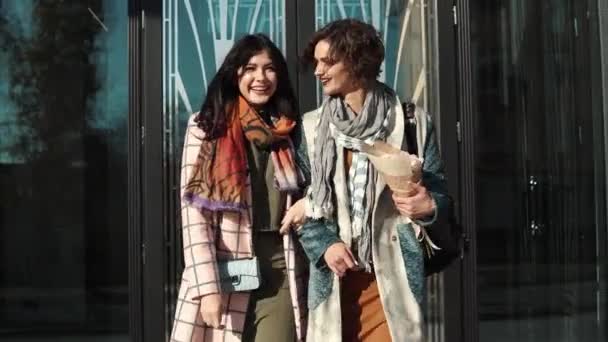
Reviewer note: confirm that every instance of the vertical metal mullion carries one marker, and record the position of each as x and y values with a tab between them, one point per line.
467	176
172	162
446	116
136	325
291	27
601	24
153	179
597	95
305	28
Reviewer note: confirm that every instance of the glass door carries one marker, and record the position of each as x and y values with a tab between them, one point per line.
540	176
63	171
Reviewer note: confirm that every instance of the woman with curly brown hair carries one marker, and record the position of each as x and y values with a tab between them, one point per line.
366	263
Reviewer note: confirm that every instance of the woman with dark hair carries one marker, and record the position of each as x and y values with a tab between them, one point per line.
366	263
241	168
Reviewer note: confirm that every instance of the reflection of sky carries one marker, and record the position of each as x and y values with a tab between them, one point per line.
110	104
18	15
112	101
214	25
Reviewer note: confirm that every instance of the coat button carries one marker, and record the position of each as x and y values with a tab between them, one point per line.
394	238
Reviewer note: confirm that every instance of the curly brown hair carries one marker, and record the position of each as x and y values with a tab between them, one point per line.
357	44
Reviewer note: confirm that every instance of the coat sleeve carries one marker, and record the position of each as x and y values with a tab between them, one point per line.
198	227
316	236
433	178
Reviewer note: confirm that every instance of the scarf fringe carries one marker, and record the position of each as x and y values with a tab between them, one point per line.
201	203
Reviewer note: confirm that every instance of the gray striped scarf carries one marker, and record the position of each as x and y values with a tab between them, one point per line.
339	127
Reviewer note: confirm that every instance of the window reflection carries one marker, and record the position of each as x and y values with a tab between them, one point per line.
540	179
63	204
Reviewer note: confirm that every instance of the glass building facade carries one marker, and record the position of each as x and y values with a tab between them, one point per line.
63	170
540	179
94	97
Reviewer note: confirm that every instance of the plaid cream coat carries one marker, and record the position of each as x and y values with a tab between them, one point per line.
204	244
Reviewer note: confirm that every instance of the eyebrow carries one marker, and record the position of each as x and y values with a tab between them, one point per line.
263	66
325	59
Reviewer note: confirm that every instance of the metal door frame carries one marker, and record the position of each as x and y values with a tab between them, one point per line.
466	114
146	187
134	192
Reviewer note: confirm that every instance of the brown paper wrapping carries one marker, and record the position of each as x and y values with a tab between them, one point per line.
397	168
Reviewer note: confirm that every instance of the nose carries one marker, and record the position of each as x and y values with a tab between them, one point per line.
260	75
319	70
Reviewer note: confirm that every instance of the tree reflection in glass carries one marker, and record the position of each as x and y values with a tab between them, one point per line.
63	210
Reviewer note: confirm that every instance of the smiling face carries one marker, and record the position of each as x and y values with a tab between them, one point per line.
335	77
258	79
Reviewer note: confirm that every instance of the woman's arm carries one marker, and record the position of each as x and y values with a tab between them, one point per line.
319	238
428	201
434	179
323	247
198	230
198	234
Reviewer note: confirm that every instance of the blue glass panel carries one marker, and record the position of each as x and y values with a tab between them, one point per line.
196	37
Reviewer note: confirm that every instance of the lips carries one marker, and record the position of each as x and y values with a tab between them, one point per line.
324	81
260	90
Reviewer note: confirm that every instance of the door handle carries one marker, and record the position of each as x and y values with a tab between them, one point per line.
535	209
536	229
534	226
532	183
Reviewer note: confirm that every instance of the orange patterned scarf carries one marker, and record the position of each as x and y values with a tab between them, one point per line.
220	175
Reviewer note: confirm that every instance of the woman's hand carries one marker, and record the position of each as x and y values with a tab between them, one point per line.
294	217
339	259
211	310
416	203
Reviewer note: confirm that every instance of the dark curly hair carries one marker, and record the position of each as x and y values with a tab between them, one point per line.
223	90
357	44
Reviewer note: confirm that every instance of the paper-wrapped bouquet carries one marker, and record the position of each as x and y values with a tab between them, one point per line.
397	168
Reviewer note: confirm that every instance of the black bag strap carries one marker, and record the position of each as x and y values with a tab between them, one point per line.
449	240
409	109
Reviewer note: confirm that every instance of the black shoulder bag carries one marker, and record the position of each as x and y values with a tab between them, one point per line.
446	233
